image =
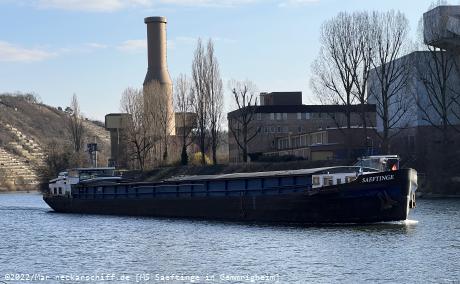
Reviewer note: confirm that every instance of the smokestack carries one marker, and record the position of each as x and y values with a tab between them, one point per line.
156	44
157	64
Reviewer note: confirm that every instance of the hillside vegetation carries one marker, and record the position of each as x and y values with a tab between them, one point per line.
29	130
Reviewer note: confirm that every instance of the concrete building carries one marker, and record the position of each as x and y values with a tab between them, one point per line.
280	98
283	114
185	122
117	123
442	27
327	144
413	123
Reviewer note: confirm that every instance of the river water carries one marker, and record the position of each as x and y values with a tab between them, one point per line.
39	246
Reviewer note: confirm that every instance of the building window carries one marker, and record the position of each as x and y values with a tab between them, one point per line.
278	116
307	115
339	181
285	129
284	116
259	116
272	116
294	143
60	190
299	115
55	191
279	129
299	129
266	129
316	115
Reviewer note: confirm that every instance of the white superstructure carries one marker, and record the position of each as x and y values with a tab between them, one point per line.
367	165
62	185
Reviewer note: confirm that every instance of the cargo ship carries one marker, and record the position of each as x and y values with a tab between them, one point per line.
375	189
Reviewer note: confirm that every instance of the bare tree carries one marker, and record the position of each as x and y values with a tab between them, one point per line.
365	44
138	140
215	94
58	156
240	123
74	125
437	70
342	68
158	115
333	77
392	75
184	101
199	75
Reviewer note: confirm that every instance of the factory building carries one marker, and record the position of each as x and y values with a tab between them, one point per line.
414	132
327	144
282	114
157	92
116	124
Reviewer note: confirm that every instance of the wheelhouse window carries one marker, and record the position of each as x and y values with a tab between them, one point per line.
350	178
315	180
327	181
95	173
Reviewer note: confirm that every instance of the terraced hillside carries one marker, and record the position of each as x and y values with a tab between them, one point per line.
27	128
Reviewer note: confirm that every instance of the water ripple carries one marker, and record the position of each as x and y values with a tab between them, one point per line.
423	249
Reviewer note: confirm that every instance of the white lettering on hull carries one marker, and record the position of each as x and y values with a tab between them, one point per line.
377	178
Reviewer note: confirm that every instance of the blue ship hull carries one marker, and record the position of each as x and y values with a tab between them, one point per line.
383	196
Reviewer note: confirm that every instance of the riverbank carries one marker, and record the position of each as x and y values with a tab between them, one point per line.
4	191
